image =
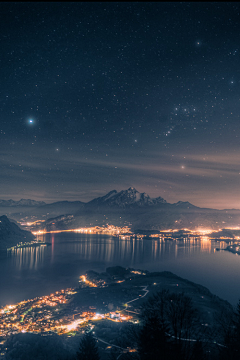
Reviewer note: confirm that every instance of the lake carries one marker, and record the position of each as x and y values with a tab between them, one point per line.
36	271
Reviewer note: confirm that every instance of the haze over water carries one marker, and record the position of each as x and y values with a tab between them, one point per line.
31	272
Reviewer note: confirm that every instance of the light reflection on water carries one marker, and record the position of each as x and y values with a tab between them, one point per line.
30	257
30	272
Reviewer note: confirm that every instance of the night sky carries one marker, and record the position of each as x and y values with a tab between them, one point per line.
103	96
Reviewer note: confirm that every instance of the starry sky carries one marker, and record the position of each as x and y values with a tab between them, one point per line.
103	96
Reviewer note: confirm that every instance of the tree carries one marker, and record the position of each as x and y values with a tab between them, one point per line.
237	326
183	321
88	349
198	351
153	342
231	348
170	322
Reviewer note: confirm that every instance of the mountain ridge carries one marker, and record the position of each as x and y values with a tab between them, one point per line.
125	198
22	202
129	196
11	234
126	207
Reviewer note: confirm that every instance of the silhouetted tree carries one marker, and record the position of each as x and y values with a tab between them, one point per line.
88	349
237	327
170	322
198	351
153	341
114	353
127	339
231	348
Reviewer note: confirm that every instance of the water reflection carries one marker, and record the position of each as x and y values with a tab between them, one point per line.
52	242
28	257
30	272
108	249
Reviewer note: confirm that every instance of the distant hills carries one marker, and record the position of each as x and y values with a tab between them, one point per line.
126	207
11	234
22	202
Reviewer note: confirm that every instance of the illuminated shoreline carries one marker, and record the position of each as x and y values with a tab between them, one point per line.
47	314
126	233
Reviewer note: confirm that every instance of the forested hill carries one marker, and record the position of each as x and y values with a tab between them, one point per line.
11	234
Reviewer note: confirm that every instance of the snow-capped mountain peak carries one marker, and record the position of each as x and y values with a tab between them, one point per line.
126	198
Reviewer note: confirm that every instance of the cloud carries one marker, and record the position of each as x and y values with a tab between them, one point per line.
83	176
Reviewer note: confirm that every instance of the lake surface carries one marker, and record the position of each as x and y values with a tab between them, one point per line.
29	272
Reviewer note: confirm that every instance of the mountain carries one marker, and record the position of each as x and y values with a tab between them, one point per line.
140	211
11	234
127	207
125	198
59	208
185	204
31	210
22	202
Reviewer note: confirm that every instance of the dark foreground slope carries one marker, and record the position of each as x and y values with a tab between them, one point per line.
127	291
11	234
